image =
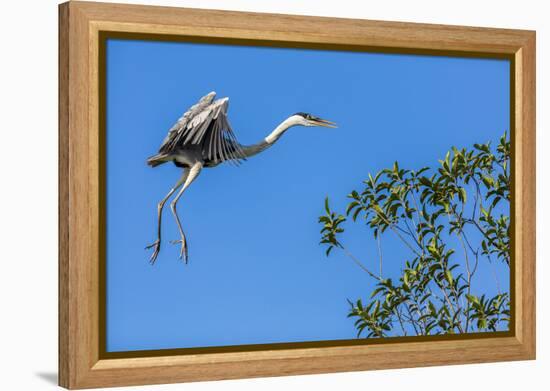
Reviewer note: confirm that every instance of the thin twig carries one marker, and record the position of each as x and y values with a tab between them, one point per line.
379	253
359	263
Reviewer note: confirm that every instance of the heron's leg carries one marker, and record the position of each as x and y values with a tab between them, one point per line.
193	173
160	205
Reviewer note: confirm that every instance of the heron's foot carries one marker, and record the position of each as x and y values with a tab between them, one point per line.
156	246
184	248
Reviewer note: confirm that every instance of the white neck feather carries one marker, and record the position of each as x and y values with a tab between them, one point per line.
282	128
251	150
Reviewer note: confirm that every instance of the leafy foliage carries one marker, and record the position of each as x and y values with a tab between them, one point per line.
449	219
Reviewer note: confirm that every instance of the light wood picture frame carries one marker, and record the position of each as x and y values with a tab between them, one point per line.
83	28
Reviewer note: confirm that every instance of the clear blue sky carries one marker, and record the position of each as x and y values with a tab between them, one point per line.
257	273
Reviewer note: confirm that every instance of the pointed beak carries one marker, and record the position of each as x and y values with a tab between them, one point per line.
323	122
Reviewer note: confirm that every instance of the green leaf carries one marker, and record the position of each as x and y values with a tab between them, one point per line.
350	207
395	167
425	181
488	181
472	299
462	194
327	209
449	277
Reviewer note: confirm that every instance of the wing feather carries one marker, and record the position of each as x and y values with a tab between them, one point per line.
206	124
179	130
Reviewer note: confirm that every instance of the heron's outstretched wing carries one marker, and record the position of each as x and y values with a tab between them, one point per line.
213	132
174	135
207	126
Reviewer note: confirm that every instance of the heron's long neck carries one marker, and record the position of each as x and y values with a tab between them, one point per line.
272	138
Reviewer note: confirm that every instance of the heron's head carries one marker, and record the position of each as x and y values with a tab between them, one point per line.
306	119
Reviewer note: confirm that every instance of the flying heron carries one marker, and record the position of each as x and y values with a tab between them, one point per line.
202	138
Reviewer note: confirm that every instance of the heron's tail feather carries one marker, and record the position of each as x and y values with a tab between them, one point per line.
158	159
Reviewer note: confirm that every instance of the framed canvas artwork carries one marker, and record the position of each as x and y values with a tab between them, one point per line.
249	195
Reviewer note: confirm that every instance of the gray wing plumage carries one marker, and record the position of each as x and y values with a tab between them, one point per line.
205	124
174	134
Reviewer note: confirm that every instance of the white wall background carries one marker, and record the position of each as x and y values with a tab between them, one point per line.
28	193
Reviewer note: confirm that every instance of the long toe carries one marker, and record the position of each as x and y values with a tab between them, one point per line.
183	251
183	248
186	255
156	246
155	255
